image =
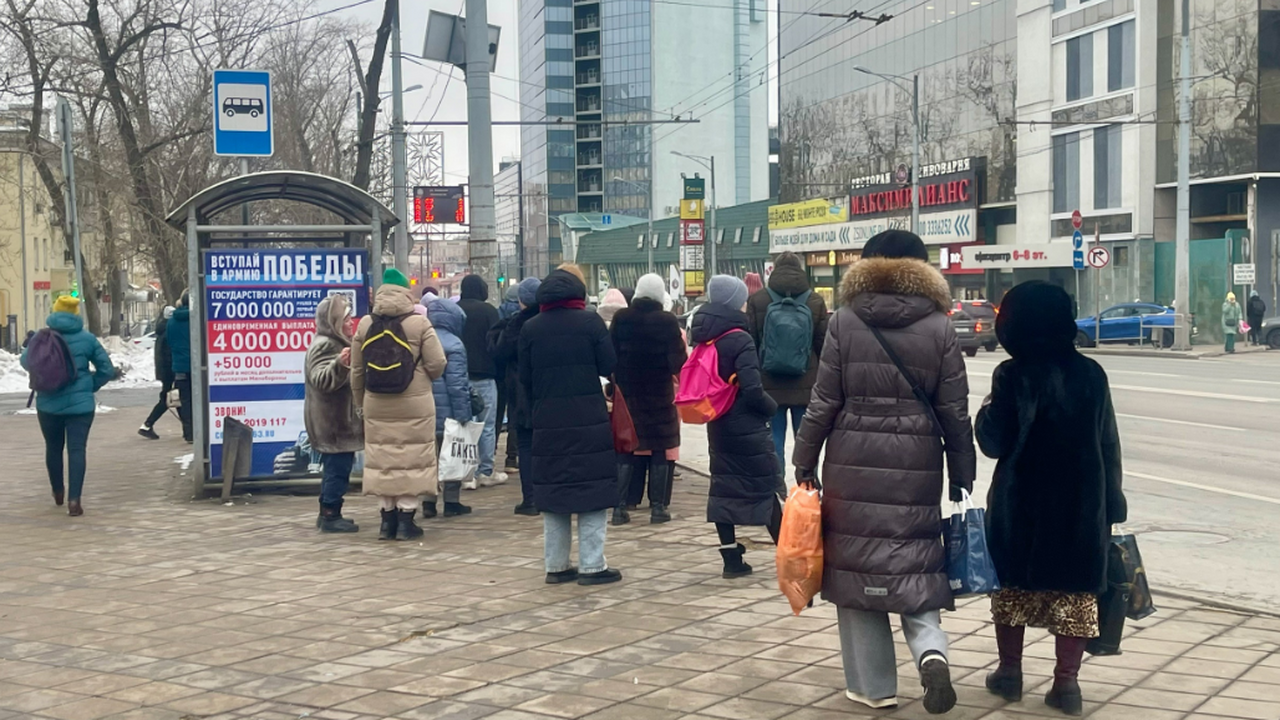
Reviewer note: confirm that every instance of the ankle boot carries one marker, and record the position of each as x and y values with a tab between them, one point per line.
390	519
659	488
1065	694
1006	681
734	567
626	471
429	509
406	529
331	521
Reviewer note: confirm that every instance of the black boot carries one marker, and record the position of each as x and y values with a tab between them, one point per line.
1065	694
406	529
734	567
452	509
1006	681
390	519
659	490
453	506
428	509
331	521
626	471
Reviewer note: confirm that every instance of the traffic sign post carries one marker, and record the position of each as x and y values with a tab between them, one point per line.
1077	220
1098	257
242	113
1077	250
1243	274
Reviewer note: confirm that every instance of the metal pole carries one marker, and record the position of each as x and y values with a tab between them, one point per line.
22	238
915	155
399	158
711	252
1097	291
69	172
244	207
199	465
648	239
483	244
1182	255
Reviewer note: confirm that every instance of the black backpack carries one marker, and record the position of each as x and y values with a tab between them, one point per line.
388	358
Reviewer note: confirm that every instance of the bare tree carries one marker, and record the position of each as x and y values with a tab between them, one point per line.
370	81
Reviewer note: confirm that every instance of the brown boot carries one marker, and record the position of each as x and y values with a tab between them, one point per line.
1065	694
74	509
1006	681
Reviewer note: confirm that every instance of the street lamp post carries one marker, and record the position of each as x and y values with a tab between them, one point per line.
710	164
915	141
648	239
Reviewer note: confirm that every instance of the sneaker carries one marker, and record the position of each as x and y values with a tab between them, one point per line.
497	478
564	576
470	484
148	433
511	468
935	677
604	577
881	704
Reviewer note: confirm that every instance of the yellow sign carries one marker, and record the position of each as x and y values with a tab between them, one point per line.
809	212
693	281
691	210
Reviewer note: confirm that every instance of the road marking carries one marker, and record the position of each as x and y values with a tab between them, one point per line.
1255	382
1171	421
1196	394
1206	488
1143	372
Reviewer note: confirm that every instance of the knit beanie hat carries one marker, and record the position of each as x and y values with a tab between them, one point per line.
896	244
727	290
392	276
651	286
527	291
67	304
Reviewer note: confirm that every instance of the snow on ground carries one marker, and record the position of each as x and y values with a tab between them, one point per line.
138	365
100	410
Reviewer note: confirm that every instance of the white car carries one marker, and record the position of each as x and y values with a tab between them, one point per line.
146	342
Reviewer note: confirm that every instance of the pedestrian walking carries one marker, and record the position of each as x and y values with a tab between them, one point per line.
650	352
59	358
883	470
178	332
564	351
788	324
1231	321
507	348
164	373
395	357
481	317
1056	492
333	427
452	392
745	475
1256	311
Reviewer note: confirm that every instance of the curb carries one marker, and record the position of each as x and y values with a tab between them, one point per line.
1216	603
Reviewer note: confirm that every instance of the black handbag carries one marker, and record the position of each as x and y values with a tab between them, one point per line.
1113	606
1140	603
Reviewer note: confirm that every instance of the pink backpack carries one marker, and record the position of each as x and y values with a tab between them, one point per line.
703	395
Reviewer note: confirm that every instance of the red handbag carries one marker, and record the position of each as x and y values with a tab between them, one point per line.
625	439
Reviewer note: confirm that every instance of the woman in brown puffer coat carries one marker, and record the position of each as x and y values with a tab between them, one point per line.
883	471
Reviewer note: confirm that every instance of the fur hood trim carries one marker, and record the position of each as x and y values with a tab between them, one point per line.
895	276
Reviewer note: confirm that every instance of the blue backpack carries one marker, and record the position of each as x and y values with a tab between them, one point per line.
787	339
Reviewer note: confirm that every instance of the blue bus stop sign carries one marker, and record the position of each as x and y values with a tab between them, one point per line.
242	113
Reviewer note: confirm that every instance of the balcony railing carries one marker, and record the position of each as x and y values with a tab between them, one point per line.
592	105
591	22
589	159
590	49
591	77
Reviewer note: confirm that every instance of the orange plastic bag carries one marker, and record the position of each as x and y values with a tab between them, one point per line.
800	548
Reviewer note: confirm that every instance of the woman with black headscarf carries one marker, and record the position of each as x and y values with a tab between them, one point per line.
1050	424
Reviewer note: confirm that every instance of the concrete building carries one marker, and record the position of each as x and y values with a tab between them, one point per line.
605	63
508	207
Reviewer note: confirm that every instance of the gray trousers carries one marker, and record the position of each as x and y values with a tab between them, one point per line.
866	647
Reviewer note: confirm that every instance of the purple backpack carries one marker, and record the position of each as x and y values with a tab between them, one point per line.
49	362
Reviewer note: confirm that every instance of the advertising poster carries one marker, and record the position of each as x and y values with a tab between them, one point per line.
260	308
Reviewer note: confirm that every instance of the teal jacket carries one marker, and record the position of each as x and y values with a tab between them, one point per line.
1231	318
76	398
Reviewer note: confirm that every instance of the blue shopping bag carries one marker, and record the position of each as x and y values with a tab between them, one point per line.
970	569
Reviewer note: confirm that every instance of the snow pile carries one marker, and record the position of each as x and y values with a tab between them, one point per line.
100	410
138	365
13	379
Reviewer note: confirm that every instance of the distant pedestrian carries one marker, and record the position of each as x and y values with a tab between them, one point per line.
1256	311
1231	321
788	324
650	353
164	373
66	413
1050	425
507	347
334	429
481	317
505	378
395	356
564	351
178	332
883	471
610	304
745	475
452	392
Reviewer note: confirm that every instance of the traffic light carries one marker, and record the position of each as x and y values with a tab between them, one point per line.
502	279
75	290
413	281
435	274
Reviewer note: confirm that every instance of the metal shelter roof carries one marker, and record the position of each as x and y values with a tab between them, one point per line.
353	205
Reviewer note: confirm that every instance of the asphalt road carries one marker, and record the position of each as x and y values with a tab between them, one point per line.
1201	443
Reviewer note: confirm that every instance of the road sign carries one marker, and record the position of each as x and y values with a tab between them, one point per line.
606	219
242	113
1098	257
1077	219
691	232
1244	274
1077	240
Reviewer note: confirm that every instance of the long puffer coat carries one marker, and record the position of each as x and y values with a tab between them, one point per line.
452	390
399	430
650	352
329	411
506	349
883	472
789	280
564	351
744	464
76	398
1050	424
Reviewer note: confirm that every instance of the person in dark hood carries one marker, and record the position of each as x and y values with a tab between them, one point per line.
510	303
506	348
769	309
509	308
333	428
481	317
564	351
1050	425
178	333
883	473
1255	312
164	373
452	392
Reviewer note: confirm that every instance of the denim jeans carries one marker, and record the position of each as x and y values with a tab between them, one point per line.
524	438
780	430
71	432
488	390
336	478
557	537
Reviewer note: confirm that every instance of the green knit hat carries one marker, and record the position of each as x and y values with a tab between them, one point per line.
393	276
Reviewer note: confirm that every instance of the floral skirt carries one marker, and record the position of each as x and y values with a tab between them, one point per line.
1065	614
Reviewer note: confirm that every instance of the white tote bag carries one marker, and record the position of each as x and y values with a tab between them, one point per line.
459	451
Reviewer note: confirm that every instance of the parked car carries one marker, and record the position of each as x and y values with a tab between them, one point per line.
1270	332
1128	323
975	324
145	342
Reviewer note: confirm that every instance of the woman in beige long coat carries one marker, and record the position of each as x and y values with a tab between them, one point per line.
399	429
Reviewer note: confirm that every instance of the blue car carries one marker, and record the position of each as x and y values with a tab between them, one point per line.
1128	323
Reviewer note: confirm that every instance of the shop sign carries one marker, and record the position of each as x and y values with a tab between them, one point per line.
938	228
949	192
825	259
902	175
951	261
1013	257
691	210
693	283
822	211
695	189
691	232
42	285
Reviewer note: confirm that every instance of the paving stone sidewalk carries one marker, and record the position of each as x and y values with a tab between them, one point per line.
154	608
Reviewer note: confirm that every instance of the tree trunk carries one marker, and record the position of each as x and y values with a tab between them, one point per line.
369	103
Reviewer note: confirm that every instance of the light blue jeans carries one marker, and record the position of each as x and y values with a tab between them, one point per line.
557	537
488	390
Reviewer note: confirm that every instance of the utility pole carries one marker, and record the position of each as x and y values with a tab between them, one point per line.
711	242
399	157
1182	247
483	243
69	188
915	154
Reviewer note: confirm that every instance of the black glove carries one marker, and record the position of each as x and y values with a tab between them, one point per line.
808	478
957	493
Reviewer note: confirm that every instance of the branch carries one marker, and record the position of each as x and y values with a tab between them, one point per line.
355	58
141	35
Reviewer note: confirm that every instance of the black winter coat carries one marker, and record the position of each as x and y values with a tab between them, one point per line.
745	473
563	354
1256	310
481	317
789	280
506	349
650	352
